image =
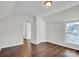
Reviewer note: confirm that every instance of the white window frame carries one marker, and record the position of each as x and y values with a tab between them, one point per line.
77	43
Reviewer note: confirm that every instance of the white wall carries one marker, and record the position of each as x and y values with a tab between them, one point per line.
12	31
27	30
56	35
41	30
55	32
33	31
38	30
56	25
0	35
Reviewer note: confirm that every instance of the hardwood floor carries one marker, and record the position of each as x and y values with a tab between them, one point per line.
17	51
44	49
47	49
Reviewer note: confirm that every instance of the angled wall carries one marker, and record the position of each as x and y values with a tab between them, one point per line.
38	30
56	26
11	30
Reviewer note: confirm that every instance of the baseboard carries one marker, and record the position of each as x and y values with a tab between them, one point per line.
64	46
12	45
42	43
36	43
55	44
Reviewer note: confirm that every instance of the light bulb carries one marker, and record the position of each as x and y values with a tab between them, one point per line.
48	3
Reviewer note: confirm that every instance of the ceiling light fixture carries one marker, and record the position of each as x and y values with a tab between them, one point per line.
48	3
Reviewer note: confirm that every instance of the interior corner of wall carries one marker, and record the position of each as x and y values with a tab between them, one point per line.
0	49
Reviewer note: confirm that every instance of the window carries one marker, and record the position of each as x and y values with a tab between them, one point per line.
72	32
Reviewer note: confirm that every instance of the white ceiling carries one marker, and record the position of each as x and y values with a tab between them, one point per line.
70	14
6	8
37	8
34	8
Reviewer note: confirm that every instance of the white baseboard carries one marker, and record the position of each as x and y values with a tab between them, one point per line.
64	45
38	42
12	45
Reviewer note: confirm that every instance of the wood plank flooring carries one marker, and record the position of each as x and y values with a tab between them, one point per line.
44	49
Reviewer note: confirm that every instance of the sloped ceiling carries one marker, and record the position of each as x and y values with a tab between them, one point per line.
6	7
70	14
37	8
